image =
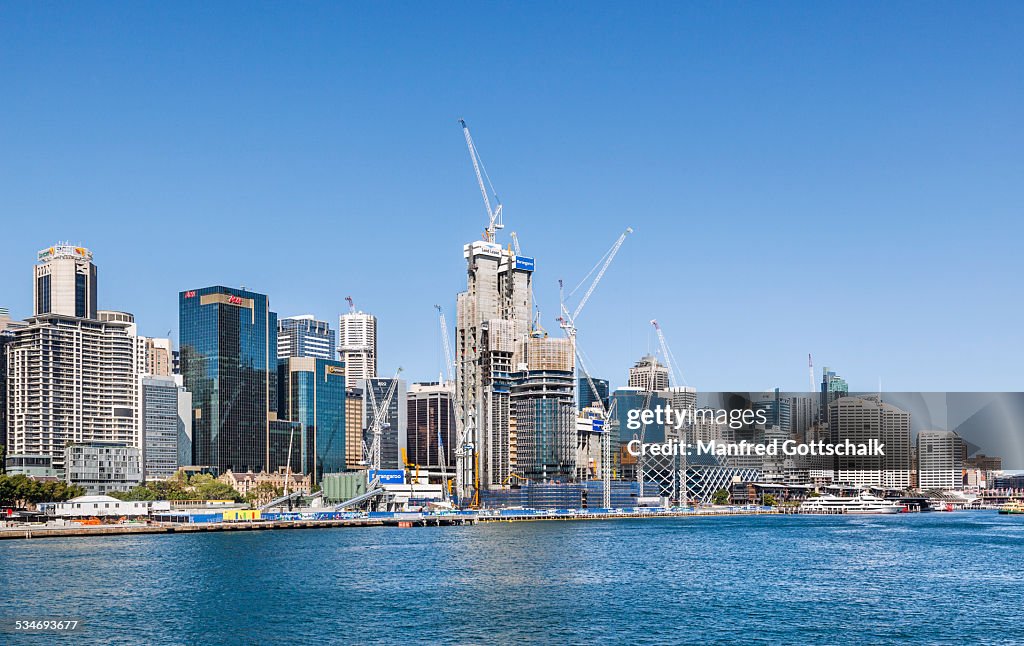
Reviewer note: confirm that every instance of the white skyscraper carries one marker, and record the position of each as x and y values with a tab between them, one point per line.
65	282
73	379
357	346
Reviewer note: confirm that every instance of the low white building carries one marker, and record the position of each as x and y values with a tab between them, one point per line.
106	506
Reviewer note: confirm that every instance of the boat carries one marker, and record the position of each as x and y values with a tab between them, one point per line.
860	504
1012	507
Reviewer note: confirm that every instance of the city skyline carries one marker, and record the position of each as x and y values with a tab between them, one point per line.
208	149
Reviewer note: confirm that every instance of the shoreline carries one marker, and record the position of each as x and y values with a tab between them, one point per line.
396	520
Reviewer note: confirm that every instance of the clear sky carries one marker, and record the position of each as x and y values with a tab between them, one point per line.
841	179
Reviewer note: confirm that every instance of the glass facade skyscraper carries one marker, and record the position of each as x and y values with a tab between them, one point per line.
312	392
228	341
304	336
586	393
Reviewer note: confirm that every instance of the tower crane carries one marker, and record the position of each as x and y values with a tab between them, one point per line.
670	360
377	425
810	371
351	305
449	365
606	441
493	214
567	321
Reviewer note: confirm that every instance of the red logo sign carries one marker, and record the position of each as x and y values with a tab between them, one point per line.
235	300
190	294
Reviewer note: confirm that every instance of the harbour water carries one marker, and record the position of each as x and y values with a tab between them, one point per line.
927	578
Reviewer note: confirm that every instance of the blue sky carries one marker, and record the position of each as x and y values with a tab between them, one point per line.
841	179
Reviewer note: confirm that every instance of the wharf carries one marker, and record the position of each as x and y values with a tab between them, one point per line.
374	519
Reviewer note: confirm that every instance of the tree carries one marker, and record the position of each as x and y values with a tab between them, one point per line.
769	500
721	497
213	490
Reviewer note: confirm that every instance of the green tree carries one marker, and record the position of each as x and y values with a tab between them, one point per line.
769	500
721	497
214	490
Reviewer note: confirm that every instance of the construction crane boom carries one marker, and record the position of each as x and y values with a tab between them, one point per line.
670	360
609	257
351	305
449	362
494	215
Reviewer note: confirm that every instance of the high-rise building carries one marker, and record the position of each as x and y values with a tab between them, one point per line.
162	425
354	425
71	380
159	357
304	336
832	388
392	424
939	460
312	392
777	411
586	393
544	411
431	412
649	374
861	419
357	345
73	370
229	363
65	282
802	409
493	318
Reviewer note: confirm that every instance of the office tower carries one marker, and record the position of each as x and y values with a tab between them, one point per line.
649	374
73	370
939	460
861	419
65	282
802	410
431	411
586	393
354	425
832	388
312	392
392	424
544	411
357	345
493	318
228	350
103	467
777	411
162	425
304	336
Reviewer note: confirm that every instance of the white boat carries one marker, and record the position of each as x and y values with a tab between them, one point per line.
861	504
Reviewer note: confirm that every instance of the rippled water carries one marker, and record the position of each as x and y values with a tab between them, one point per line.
930	578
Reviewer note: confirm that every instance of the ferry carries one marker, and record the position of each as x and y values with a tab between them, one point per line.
1012	507
861	504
